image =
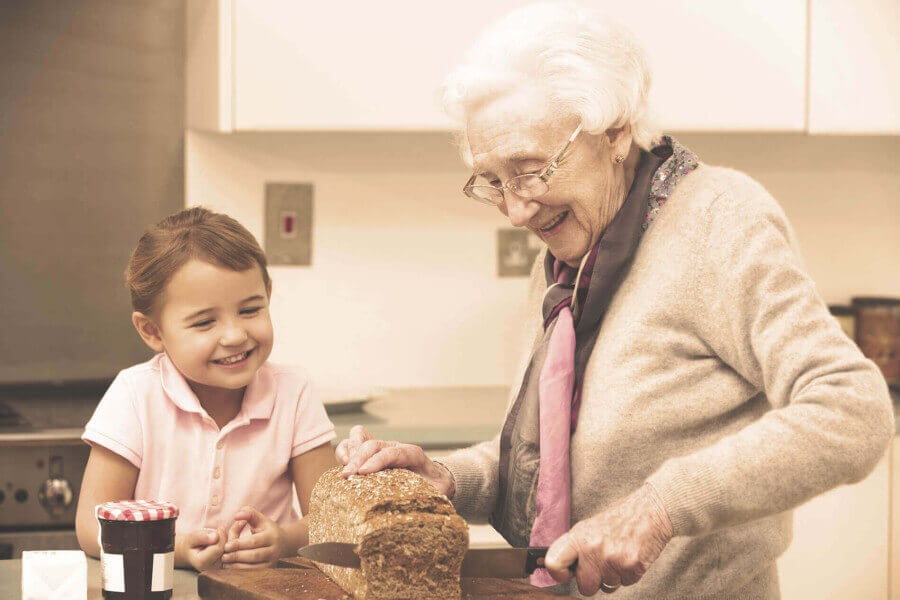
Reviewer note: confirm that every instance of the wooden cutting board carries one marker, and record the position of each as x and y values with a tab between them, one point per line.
299	579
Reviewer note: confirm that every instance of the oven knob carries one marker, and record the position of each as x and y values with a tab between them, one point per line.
2	496
21	496
55	495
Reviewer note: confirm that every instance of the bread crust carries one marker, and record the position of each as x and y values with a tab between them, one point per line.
409	538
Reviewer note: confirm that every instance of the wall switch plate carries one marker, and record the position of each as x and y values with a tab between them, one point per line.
516	251
289	212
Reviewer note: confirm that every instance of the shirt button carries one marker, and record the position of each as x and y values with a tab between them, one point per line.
220	444
217	473
214	500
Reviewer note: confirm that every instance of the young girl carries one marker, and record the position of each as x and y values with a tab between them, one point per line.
207	423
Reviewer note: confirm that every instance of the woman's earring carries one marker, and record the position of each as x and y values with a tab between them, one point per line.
619	159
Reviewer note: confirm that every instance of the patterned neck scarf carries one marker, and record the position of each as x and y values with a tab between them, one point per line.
534	503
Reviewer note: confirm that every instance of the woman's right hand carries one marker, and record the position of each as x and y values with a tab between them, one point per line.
362	454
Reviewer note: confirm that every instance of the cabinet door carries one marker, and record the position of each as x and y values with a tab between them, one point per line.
840	547
854	66
736	65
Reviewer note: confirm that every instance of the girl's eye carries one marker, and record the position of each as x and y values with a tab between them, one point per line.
202	323
251	311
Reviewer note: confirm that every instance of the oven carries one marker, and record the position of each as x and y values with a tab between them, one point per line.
42	461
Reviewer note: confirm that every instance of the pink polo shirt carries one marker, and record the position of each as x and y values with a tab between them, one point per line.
151	417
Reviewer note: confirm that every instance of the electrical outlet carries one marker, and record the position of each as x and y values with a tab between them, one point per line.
516	251
289	212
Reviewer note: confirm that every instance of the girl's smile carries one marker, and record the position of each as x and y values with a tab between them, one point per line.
235	361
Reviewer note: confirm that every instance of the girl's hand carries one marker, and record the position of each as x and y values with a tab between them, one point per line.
614	547
202	549
361	454
261	549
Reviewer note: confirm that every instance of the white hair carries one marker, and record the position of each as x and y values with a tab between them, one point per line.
590	66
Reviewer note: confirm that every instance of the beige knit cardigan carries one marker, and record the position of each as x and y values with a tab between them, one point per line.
720	378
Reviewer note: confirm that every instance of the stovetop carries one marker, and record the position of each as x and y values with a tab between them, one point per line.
33	409
11	420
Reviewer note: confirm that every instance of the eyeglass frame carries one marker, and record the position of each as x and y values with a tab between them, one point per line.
544	176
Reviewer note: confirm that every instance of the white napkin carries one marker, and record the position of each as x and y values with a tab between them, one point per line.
54	574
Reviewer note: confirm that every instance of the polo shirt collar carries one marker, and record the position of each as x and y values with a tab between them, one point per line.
259	397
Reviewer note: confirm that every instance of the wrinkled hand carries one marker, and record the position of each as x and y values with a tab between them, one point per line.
361	454
203	548
261	549
616	546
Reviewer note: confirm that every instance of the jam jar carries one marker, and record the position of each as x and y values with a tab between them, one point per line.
137	548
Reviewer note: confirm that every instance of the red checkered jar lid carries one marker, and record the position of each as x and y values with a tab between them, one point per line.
136	510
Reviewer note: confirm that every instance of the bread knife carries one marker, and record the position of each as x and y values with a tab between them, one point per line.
506	563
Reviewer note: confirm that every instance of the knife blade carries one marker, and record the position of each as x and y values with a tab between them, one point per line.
506	563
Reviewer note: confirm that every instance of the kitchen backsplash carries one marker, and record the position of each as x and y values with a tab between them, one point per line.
403	288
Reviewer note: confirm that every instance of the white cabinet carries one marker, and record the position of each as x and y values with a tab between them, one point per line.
841	543
288	65
854	66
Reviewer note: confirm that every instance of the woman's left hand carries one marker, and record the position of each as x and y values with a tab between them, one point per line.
614	547
261	549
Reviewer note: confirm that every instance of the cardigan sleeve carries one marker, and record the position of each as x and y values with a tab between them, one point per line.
831	416
476	473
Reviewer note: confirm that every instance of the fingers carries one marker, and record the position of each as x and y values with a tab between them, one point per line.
362	454
570	550
347	448
205	556
258	556
561	555
245	517
234	532
252	550
401	455
202	538
210	554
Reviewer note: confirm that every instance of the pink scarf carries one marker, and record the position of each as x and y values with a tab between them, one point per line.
534	497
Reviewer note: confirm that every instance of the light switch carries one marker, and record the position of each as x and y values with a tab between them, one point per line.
289	213
516	251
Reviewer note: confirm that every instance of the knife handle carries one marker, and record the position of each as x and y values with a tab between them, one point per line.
535	560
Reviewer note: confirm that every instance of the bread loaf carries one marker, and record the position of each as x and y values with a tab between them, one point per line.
409	539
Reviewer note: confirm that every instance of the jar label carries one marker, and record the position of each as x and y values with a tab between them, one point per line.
163	572
112	569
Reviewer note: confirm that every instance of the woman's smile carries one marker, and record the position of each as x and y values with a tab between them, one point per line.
553	226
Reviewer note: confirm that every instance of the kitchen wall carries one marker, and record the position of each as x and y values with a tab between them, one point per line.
91	151
403	288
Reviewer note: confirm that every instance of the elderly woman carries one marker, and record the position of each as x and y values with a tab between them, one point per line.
686	386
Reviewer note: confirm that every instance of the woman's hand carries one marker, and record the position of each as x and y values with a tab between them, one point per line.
362	454
261	549
201	549
614	547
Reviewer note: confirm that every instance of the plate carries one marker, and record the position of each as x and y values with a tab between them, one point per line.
348	400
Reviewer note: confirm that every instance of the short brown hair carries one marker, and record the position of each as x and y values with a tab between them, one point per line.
193	233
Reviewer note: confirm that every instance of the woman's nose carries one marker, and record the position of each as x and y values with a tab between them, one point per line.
519	211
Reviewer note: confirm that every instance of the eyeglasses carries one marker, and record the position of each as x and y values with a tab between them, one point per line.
529	185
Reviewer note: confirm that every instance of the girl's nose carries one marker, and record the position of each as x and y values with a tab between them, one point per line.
519	211
234	335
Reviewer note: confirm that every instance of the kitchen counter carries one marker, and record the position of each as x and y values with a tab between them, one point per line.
185	584
434	418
